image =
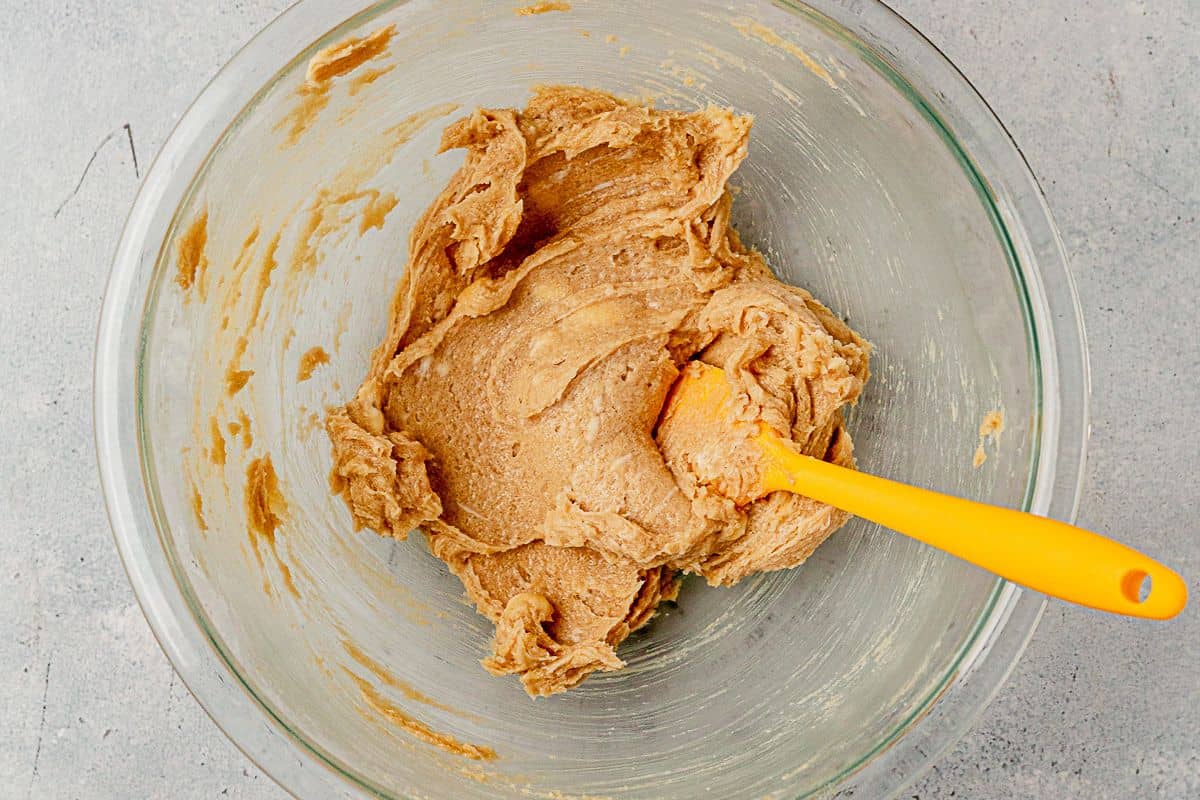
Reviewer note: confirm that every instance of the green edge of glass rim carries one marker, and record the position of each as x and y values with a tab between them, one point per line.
906	89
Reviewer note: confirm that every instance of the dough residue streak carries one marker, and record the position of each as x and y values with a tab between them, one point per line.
367	77
752	29
989	430
216	452
389	679
543	7
415	727
191	259
312	96
244	425
312	358
198	508
265	513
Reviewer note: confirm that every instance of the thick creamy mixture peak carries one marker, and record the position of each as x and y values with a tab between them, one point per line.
578	259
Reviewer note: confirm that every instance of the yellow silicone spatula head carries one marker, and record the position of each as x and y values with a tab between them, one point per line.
745	460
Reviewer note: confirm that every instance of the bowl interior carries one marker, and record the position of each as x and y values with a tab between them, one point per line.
363	648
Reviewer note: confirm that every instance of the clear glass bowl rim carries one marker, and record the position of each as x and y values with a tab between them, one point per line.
931	79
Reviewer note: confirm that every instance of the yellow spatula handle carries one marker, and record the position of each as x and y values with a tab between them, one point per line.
1046	555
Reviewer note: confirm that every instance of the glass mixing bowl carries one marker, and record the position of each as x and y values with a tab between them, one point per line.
876	178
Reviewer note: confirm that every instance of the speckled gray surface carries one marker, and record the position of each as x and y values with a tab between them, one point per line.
1102	97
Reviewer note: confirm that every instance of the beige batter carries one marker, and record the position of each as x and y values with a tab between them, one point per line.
554	289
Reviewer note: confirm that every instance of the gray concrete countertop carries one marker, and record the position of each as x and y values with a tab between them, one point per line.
1104	100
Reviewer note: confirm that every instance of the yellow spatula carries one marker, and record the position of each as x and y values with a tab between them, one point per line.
1046	555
